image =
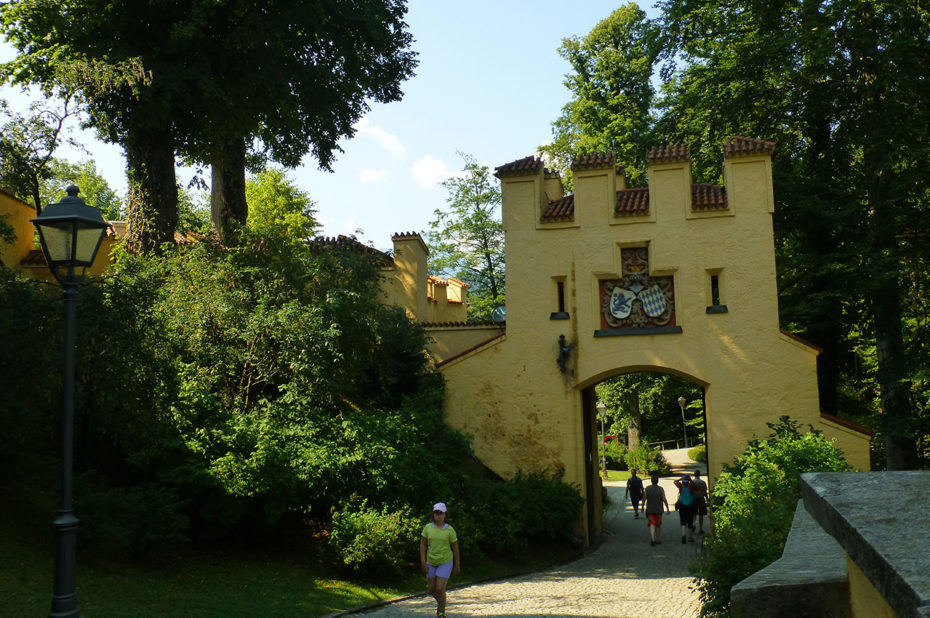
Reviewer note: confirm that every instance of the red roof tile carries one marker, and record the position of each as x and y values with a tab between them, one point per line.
460	282
593	161
34	258
520	167
560	210
739	146
668	154
632	202
437	280
706	196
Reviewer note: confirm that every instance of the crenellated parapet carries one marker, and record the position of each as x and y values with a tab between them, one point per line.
669	173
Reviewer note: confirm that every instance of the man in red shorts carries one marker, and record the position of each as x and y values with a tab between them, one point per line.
655	498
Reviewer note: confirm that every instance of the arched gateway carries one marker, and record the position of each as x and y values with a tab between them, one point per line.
678	278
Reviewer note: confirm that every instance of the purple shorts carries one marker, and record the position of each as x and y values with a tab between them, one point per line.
444	570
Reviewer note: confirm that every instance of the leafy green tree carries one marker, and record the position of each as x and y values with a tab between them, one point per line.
94	188
753	503
27	143
612	93
831	82
278	207
467	239
212	81
645	405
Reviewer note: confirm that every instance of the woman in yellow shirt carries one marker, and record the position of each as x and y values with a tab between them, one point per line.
439	555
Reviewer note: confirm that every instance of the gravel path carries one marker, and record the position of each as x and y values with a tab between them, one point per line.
624	576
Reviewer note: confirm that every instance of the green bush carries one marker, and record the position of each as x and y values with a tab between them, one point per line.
615	452
753	504
648	461
698	453
502	517
374	542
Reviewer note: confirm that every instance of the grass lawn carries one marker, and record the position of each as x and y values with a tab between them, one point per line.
617	475
196	582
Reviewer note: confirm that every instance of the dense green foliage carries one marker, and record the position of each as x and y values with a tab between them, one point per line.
251	391
220	83
467	239
753	504
612	92
647	403
840	87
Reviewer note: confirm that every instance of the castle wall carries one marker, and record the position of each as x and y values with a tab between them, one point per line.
527	414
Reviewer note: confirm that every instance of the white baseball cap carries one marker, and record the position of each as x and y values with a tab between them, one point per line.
440	506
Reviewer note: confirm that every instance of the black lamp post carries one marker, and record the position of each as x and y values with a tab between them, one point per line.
601	413
70	232
684	427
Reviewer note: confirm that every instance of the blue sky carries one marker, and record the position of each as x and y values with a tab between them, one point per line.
489	84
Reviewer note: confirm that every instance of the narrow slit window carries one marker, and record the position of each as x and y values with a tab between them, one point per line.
715	290
560	287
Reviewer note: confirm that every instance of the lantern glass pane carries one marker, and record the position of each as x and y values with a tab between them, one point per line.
58	241
88	239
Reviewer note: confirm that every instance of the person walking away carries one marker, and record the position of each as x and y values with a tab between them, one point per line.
439	555
685	507
655	498
700	500
634	490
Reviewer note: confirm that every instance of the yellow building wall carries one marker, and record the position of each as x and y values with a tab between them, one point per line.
17	214
865	601
526	414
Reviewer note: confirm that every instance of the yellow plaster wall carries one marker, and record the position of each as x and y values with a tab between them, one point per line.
448	341
526	414
17	214
865	601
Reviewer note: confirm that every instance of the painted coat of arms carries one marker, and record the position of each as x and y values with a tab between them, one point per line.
637	300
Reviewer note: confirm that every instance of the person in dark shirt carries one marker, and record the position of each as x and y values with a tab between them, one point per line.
634	491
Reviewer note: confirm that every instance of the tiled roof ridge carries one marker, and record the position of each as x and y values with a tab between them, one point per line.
670	153
562	209
633	201
708	196
345	242
739	146
520	167
593	161
549	174
438	280
459	281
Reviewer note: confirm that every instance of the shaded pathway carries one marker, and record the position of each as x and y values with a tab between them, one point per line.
624	576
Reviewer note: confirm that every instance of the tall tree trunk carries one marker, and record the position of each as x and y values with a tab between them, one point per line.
228	208
897	416
634	431
153	189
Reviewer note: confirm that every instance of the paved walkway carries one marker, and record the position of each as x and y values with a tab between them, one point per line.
623	577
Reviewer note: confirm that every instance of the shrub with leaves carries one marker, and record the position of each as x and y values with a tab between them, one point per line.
647	460
698	453
502	517
753	505
615	451
375	542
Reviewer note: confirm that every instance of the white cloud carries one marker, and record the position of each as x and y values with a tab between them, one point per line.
386	140
429	171
371	176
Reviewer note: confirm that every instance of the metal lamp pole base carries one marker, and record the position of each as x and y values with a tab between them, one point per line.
64	599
